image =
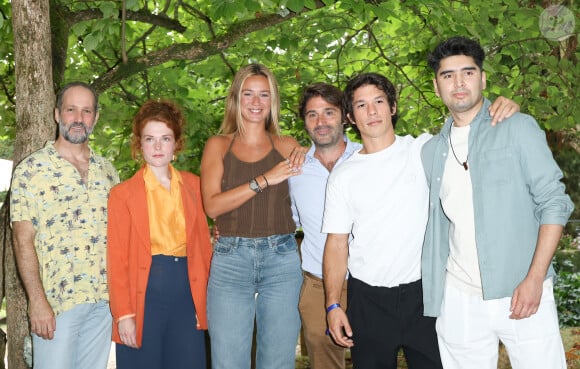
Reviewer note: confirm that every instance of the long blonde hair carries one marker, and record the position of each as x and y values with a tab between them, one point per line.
233	122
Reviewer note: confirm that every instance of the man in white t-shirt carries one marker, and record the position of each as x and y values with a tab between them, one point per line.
380	196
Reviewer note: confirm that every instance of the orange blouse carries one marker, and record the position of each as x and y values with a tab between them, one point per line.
166	216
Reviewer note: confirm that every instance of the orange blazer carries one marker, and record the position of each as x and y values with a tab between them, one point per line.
129	249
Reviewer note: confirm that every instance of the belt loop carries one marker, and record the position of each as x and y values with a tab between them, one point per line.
272	241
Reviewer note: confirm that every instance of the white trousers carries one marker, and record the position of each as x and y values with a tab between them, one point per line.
469	330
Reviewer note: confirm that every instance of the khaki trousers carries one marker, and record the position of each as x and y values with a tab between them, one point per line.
322	351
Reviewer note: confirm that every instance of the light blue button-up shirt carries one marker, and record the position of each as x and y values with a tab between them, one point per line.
307	191
516	188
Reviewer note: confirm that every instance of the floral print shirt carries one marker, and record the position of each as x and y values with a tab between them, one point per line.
70	219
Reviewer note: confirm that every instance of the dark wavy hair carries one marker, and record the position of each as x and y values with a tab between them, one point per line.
457	45
331	94
375	79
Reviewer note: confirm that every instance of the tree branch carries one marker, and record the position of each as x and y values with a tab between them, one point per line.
399	68
191	51
142	16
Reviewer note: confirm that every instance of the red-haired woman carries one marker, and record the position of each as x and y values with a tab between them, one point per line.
158	251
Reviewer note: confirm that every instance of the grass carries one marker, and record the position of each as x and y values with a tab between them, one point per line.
570	336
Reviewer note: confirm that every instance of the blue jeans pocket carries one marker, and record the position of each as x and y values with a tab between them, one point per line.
224	245
286	244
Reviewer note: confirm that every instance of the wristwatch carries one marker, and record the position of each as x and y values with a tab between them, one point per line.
254	186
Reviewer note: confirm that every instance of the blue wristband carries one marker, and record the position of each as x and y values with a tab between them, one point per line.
332	307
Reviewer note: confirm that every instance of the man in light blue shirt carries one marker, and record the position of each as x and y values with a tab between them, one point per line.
496	212
321	109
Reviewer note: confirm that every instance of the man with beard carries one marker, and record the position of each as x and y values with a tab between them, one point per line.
321	110
58	212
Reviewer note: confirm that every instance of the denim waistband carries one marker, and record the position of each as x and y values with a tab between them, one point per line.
257	242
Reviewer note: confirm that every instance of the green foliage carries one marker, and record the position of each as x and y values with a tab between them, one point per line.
567	282
332	43
7	110
567	296
569	243
6	148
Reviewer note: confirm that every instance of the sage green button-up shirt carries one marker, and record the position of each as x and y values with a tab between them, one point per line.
516	188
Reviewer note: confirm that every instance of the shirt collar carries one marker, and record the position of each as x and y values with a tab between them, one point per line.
350	148
53	152
152	183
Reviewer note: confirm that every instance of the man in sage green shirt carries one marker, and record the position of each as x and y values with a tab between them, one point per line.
496	212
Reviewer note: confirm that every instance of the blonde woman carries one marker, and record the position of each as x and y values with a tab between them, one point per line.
255	270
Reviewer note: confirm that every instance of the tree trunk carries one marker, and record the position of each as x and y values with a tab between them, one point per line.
5	243
34	126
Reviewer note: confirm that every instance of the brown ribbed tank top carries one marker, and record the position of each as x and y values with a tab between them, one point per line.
268	213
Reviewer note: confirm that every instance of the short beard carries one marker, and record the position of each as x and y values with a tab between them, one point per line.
78	139
334	139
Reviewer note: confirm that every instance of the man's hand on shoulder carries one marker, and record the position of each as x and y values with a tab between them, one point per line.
502	108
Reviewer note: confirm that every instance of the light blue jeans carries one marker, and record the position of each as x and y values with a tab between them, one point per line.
82	339
254	278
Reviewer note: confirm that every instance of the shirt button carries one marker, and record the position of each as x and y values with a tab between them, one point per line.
176	259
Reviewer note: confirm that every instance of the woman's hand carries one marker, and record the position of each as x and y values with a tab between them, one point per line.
297	157
290	167
281	172
128	332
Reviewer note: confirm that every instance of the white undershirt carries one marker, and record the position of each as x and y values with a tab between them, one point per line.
457	201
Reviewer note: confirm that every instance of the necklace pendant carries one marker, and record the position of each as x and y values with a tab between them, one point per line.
465	165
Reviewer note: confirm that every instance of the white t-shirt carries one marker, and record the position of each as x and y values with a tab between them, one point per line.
382	199
457	200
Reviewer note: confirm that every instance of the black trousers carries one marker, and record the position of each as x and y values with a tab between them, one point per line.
385	320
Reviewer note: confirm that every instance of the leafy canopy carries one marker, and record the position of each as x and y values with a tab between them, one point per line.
188	51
